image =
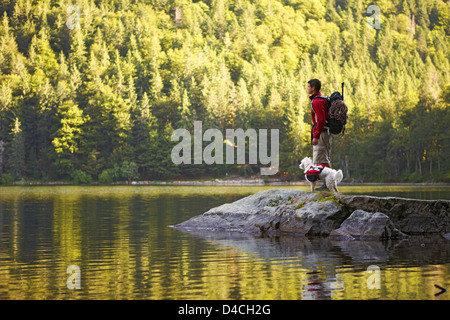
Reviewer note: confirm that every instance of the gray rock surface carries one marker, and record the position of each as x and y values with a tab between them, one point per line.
297	212
411	216
367	226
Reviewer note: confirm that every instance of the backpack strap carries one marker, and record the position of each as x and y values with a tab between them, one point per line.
319	167
315	114
323	97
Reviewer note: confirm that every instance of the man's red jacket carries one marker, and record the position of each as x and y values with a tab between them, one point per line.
320	115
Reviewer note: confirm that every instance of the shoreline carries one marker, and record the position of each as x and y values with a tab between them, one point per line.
219	182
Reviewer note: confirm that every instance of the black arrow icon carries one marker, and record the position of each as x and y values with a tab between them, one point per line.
443	290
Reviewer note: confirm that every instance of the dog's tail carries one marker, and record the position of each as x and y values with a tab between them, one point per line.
339	176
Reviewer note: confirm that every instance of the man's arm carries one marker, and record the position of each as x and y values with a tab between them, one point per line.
319	106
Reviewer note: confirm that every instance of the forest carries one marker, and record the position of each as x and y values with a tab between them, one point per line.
92	90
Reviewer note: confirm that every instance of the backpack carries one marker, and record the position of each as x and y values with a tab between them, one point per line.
337	112
314	172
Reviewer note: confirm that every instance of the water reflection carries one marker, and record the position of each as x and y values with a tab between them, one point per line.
121	240
338	268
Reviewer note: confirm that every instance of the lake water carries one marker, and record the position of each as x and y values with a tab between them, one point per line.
121	240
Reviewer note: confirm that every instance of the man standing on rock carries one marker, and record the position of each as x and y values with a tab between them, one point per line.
320	138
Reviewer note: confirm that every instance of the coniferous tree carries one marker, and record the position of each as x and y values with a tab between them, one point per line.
17	151
112	90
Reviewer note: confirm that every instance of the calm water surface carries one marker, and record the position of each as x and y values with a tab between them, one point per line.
120	238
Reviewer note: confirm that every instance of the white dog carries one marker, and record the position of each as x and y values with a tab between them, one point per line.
331	176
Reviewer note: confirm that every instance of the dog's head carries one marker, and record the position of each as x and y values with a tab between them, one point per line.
305	163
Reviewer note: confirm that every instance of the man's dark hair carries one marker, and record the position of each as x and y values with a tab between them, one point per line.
315	83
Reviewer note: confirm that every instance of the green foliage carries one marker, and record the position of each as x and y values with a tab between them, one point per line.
275	202
17	154
81	177
6	179
278	201
129	170
322	196
109	175
112	91
301	204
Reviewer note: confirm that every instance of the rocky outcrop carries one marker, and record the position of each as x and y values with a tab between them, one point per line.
365	225
297	212
411	216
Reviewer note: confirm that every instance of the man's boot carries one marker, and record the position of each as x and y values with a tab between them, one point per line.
322	188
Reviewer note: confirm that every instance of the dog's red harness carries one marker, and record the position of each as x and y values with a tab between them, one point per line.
314	172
